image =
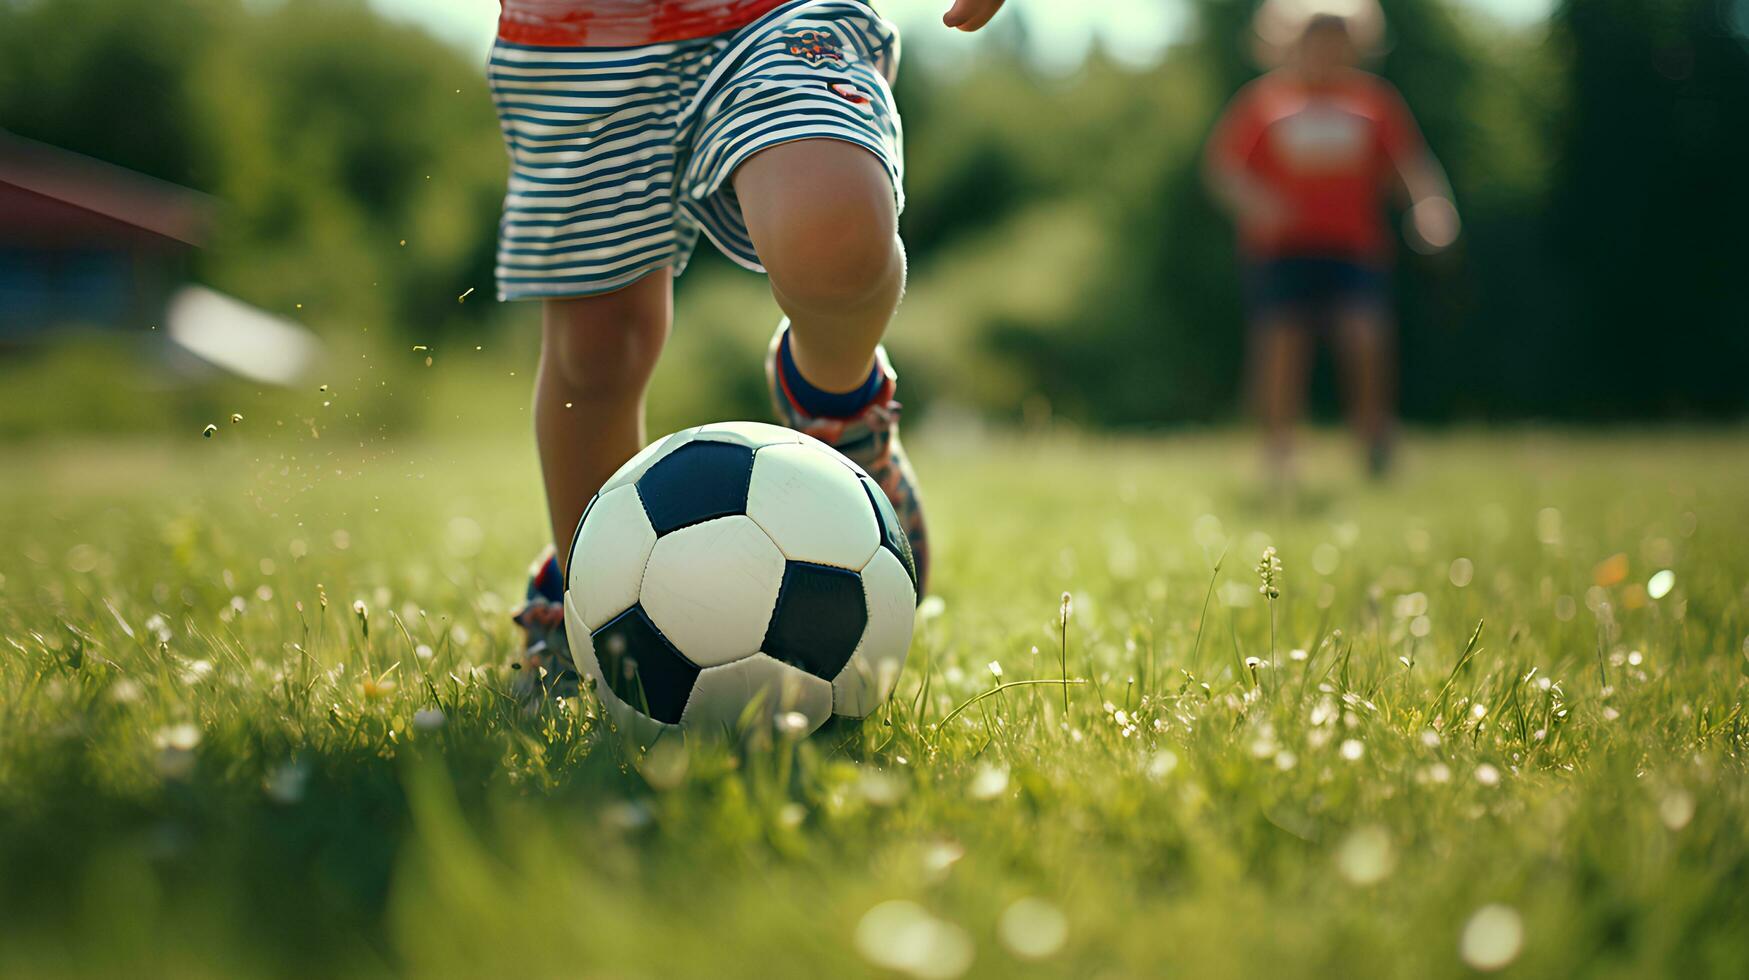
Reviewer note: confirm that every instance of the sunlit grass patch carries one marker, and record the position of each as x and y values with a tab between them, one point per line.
256	716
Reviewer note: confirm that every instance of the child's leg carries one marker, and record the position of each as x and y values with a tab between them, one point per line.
1281	364
597	354
821	214
1365	339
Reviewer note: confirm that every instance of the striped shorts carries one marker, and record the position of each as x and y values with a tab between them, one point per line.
621	156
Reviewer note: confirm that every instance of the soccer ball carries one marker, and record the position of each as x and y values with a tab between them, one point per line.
738	574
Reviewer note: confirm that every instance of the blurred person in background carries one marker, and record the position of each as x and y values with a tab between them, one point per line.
1305	158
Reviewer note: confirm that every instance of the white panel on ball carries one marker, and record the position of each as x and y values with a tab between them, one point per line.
722	695
753	435
612	548
643	729
812	506
710	588
646	458
873	670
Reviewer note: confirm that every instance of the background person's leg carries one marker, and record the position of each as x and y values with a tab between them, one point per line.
821	215
1281	345
597	355
1365	340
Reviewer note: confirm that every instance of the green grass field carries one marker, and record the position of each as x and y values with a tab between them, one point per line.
1496	720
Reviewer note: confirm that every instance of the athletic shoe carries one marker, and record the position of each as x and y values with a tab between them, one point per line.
546	666
871	440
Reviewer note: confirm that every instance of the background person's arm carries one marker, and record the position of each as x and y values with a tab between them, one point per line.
1252	203
1431	224
969	15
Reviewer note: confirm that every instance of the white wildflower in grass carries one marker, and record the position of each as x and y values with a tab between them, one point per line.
881	788
1161	764
1269	574
902	936
930	608
996	669
1297	655
284	783
1676	809
1430	739
1033	928
666	764
1660	584
988	782
1487	775
1352	749
792	724
1492	938
1365	856
428	719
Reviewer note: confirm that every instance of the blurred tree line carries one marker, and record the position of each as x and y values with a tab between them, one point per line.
1064	251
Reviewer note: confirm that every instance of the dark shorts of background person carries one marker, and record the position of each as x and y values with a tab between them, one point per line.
1313	289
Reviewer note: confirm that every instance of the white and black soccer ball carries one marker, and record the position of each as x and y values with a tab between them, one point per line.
735	572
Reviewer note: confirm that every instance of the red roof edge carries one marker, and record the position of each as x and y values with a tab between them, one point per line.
133	198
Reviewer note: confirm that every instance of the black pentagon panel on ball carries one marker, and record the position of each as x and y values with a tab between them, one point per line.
819	620
698	482
893	536
642	668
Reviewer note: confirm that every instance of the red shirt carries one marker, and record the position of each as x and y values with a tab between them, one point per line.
1329	154
622	23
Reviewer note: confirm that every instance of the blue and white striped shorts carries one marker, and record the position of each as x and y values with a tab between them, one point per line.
621	156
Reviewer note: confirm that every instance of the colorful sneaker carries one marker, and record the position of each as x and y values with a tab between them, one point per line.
546	666
870	439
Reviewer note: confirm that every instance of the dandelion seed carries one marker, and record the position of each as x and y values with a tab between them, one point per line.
1033	928
209	430
1487	775
1492	938
465	295
420	347
1352	749
236	417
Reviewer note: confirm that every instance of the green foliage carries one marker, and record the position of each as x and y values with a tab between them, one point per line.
1474	689
1065	253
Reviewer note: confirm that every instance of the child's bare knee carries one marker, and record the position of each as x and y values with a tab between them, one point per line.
831	266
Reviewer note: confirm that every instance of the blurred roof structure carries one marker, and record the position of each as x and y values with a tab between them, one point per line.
51	196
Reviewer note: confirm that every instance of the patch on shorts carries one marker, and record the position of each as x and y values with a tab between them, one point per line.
849	93
820	49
